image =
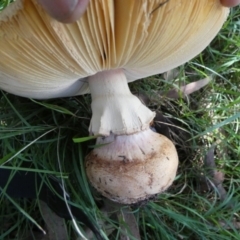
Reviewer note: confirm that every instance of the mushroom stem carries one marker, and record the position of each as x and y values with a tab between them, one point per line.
114	108
134	162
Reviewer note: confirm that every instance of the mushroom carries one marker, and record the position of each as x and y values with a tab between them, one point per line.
115	42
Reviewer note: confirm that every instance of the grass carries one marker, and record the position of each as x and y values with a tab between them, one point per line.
42	133
4	4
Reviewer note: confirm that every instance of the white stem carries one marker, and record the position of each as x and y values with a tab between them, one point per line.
114	108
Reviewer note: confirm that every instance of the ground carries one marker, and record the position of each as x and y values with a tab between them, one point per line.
203	202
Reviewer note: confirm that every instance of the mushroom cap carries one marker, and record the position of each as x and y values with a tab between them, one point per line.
43	58
132	168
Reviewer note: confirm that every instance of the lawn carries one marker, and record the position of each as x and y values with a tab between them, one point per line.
203	202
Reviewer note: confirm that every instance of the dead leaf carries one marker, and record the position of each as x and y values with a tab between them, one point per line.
126	218
214	176
160	124
56	228
130	224
171	74
143	98
188	89
230	225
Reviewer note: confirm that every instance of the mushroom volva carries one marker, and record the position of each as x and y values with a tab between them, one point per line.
115	42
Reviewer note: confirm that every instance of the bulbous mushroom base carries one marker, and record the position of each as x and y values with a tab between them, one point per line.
132	168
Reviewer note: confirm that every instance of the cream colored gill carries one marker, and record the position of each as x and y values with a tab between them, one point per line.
137	36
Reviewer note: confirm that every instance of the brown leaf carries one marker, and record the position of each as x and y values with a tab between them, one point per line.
160	124
56	228
213	175
188	89
143	98
130	224
126	218
171	74
226	225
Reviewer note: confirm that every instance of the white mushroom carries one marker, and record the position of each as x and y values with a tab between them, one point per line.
115	42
